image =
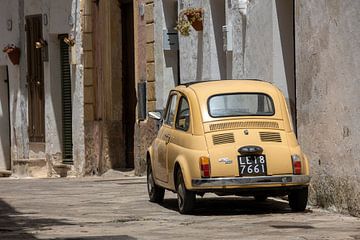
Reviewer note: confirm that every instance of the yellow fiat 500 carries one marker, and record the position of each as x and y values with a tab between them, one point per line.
227	137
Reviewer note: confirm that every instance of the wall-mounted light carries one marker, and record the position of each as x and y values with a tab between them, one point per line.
9	24
40	43
69	41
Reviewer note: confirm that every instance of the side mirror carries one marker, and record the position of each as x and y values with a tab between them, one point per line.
155	115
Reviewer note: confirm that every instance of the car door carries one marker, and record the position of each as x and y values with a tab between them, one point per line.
180	141
164	137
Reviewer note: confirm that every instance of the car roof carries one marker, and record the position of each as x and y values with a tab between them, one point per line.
200	92
227	86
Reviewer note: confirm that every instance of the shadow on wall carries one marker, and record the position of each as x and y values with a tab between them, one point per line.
285	14
218	19
17	225
171	57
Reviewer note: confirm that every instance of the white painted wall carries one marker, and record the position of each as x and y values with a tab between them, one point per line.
4	122
8	12
166	61
201	54
55	21
57	14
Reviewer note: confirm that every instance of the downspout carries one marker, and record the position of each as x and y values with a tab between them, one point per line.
243	8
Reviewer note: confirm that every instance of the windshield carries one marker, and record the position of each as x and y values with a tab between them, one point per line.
241	104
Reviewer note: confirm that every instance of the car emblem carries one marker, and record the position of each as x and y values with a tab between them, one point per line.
225	160
246	132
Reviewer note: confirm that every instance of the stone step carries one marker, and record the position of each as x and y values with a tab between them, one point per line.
5	173
64	170
33	167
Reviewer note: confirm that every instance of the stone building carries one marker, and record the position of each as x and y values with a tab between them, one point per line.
125	55
309	49
33	67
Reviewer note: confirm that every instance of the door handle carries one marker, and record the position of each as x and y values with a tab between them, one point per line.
168	137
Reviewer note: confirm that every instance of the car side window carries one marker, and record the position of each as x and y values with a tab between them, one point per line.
183	115
170	111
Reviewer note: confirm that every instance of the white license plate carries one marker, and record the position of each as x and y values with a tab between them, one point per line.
252	165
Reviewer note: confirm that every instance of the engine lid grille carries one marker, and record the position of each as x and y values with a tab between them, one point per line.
243	124
223	138
270	137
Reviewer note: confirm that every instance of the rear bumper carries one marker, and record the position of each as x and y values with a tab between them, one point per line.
251	181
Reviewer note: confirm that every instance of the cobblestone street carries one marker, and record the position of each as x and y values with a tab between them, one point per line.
107	208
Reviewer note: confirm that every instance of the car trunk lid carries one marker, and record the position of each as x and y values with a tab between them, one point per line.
225	138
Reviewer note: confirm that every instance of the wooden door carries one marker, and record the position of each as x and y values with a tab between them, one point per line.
35	79
129	93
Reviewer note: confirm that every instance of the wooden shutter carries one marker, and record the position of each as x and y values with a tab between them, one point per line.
66	100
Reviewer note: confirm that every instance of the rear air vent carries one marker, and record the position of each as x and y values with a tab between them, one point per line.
270	137
223	138
232	125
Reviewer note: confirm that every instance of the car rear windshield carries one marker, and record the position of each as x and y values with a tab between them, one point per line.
241	104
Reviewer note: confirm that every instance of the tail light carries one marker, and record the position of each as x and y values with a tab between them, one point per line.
205	167
296	161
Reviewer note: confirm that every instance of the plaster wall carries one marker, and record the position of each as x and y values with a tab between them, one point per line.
12	12
328	70
262	39
166	61
201	54
55	20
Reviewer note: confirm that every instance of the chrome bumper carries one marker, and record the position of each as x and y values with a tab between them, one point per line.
251	181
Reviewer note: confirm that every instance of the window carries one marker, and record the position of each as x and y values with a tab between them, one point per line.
183	115
170	110
241	104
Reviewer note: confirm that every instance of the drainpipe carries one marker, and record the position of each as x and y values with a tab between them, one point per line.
243	8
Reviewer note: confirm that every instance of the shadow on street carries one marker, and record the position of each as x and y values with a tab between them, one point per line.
227	206
15	225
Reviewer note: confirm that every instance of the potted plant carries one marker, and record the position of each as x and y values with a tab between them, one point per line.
13	52
190	17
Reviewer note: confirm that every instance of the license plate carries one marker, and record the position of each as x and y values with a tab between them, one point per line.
252	165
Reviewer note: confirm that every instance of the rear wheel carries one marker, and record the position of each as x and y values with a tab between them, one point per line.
156	193
186	198
298	199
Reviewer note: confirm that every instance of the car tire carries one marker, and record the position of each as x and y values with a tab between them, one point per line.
260	198
156	193
186	198
298	199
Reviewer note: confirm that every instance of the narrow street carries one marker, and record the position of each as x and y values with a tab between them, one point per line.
118	208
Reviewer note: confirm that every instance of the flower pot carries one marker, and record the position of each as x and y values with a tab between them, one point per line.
14	55
196	21
197	25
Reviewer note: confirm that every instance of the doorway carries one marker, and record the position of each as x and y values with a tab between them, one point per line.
5	163
128	83
35	79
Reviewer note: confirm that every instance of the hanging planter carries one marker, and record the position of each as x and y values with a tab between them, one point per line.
13	53
190	17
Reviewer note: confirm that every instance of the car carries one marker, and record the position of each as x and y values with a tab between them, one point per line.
228	137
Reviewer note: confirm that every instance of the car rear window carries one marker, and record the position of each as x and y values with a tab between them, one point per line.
241	104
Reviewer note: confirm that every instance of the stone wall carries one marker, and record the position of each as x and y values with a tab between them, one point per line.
145	131
103	99
327	71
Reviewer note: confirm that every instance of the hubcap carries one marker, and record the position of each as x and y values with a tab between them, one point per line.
180	195
150	183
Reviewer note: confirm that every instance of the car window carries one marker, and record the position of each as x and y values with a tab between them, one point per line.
241	104
183	115
170	110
